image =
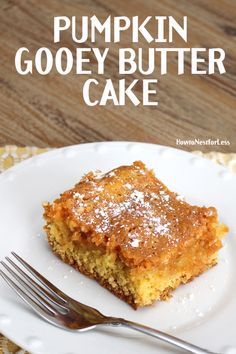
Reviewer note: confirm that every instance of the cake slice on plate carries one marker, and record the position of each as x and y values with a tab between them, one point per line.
128	231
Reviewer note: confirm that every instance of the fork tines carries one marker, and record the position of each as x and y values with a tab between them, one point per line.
34	289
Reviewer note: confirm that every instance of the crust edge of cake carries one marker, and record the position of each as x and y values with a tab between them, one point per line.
129	299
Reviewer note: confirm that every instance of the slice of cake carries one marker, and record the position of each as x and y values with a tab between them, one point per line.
129	232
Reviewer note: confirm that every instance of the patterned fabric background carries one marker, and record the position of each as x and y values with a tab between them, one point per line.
11	155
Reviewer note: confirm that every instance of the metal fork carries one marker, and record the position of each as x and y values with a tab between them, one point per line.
61	310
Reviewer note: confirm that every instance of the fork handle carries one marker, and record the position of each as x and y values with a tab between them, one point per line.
158	334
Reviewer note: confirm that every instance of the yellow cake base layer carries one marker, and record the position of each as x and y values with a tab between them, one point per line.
137	286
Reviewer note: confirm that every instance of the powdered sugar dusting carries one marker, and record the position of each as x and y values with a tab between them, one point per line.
134	243
137	196
134	211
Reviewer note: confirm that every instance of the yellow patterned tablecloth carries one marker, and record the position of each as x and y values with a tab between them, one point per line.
11	155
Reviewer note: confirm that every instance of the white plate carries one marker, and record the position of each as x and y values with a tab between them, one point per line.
202	312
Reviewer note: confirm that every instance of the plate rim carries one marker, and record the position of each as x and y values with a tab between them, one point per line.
54	151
